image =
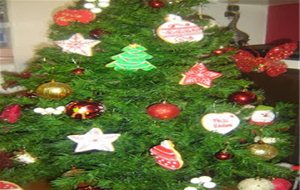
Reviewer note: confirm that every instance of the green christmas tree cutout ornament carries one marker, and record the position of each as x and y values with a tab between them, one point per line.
133	58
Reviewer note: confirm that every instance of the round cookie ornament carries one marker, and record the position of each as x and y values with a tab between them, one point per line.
176	30
9	185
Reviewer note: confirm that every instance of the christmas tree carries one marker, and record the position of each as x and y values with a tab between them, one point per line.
191	123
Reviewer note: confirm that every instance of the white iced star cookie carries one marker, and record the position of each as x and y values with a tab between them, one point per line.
94	140
77	44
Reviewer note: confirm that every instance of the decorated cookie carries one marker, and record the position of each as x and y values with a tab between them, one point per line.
262	115
4	185
222	123
67	16
199	75
77	44
166	156
176	30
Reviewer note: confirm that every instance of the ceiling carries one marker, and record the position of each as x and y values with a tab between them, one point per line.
257	2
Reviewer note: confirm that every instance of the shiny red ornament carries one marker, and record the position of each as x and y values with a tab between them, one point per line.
11	113
78	71
281	184
97	33
163	111
84	109
271	63
243	97
223	50
156	4
223	155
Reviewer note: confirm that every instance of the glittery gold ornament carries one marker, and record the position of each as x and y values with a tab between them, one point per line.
54	90
264	151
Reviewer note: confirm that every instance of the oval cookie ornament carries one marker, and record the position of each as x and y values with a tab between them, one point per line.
176	30
222	123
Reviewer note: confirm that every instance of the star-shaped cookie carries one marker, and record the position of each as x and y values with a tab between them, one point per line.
77	44
94	140
200	75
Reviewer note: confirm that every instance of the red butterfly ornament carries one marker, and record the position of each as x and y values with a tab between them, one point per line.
271	63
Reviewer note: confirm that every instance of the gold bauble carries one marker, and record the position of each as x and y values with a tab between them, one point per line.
264	151
54	90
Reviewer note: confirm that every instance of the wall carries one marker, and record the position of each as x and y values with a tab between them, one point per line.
253	19
283	23
30	20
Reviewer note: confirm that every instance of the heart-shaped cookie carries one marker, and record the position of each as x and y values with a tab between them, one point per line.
222	123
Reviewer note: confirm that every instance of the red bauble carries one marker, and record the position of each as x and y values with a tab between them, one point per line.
243	97
163	111
281	184
84	109
223	155
223	50
156	4
78	71
97	33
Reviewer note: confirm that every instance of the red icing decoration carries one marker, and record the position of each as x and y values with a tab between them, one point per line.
11	113
281	184
167	158
65	17
200	75
271	63
9	185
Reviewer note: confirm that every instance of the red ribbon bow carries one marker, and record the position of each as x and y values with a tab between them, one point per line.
271	63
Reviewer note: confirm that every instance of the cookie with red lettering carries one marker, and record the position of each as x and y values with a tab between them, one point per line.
176	30
222	123
5	185
166	156
67	16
